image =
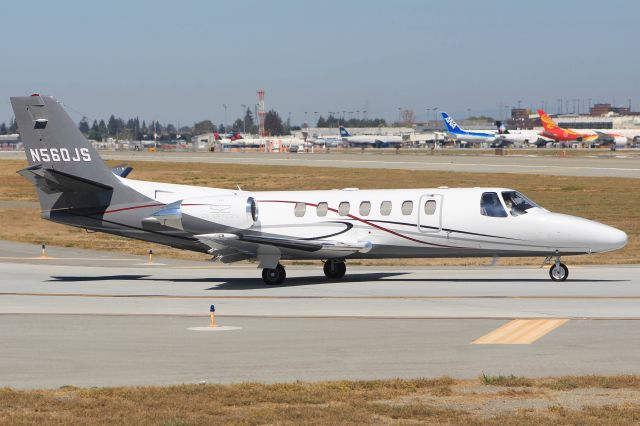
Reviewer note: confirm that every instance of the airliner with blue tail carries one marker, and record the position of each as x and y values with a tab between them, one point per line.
459	133
502	138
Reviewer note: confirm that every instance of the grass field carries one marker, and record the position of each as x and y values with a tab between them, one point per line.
589	400
614	201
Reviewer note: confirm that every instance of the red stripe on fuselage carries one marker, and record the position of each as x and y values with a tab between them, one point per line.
360	220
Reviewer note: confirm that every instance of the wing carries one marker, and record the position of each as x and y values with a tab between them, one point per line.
240	247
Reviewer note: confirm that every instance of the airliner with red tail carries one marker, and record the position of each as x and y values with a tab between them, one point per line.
559	134
616	139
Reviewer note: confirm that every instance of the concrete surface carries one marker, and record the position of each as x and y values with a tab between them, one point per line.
91	319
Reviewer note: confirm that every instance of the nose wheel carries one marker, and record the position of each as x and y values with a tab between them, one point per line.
274	276
334	269
559	271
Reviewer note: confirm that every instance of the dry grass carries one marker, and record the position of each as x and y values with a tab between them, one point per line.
610	200
431	401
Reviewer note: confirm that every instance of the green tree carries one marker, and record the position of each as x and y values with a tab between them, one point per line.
115	126
204	126
102	128
273	124
249	123
83	126
3	129
238	125
94	132
13	126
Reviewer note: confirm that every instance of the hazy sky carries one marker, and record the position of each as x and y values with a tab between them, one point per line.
180	61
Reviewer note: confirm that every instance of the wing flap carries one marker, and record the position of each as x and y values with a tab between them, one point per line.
250	243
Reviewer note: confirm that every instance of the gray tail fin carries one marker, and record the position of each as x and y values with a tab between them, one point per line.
63	165
52	140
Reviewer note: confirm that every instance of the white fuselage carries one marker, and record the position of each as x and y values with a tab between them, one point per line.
395	223
371	139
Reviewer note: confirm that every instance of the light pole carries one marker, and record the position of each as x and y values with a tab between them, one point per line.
244	118
434	109
225	116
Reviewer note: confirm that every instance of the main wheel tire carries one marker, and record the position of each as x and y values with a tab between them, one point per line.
274	276
559	272
334	269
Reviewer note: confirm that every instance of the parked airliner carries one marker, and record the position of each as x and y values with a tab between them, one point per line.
377	141
76	188
503	136
598	137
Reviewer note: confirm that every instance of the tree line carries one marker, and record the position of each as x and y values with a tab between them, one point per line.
10	129
134	129
333	121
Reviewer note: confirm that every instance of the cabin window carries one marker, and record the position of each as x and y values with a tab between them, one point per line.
365	208
430	207
491	206
517	204
407	208
300	209
322	208
385	208
343	208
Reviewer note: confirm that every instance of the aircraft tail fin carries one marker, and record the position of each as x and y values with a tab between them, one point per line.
344	132
547	122
451	125
51	139
502	129
65	168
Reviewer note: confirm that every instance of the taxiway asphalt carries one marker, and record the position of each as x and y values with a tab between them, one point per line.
88	318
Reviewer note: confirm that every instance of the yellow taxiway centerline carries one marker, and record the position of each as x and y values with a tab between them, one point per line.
520	332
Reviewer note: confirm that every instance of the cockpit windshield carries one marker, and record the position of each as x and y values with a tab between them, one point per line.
517	204
491	206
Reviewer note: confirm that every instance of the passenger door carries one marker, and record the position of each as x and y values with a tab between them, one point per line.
430	213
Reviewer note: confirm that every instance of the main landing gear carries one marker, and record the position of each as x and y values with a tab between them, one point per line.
558	271
274	276
334	269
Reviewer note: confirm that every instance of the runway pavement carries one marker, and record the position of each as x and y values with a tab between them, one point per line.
618	165
94	319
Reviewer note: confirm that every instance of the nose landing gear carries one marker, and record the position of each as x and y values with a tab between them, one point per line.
559	271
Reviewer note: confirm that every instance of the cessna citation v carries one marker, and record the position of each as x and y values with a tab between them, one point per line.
76	188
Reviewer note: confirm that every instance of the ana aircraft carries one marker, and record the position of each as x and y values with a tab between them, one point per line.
502	137
378	141
76	188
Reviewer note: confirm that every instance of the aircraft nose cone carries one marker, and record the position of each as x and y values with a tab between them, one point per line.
607	238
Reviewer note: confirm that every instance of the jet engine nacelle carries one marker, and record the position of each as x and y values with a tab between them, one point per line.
228	211
620	141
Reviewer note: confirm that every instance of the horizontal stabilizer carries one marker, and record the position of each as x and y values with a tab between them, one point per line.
122	170
52	181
